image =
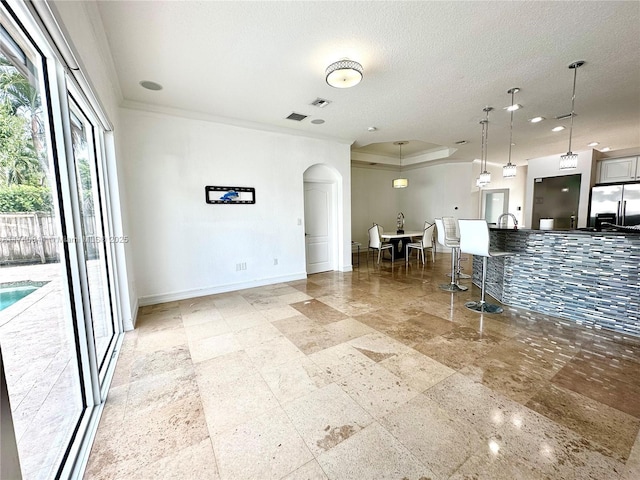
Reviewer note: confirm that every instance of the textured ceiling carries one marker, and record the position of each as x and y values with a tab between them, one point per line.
429	68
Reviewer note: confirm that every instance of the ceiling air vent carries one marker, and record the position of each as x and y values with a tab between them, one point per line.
320	102
298	117
566	115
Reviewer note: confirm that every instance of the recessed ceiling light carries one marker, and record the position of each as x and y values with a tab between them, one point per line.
593	144
559	128
149	85
606	149
372	129
536	119
513	108
317	121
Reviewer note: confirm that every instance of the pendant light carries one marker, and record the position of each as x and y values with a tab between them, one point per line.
400	182
485	176
509	170
570	159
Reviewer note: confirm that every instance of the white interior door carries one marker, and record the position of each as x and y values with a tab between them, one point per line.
318	224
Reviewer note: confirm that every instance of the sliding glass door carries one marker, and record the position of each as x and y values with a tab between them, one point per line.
58	301
38	334
94	237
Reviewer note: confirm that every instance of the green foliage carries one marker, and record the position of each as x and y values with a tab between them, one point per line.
18	162
25	198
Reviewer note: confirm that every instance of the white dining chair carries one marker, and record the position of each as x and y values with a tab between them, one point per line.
422	244
376	243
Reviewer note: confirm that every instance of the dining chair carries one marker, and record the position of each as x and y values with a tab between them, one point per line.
434	240
376	243
422	244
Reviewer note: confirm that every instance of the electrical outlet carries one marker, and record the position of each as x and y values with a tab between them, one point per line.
275	261
241	266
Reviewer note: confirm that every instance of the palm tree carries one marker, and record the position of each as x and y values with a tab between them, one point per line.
24	99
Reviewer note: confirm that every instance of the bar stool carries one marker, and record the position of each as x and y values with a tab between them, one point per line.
452	232
454	244
474	240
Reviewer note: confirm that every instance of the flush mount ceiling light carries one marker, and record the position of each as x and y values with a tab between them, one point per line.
149	85
509	170
485	176
400	182
344	73
570	160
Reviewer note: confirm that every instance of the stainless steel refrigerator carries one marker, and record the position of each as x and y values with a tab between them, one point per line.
619	204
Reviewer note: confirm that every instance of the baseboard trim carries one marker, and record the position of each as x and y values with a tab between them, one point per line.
202	292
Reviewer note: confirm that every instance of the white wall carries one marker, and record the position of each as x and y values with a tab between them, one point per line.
373	200
184	247
549	167
516	186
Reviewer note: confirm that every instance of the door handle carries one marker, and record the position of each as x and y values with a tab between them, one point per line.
624	212
619	214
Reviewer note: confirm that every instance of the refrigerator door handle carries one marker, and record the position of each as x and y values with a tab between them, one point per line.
624	212
619	214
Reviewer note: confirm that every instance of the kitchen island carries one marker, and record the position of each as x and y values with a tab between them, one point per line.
588	277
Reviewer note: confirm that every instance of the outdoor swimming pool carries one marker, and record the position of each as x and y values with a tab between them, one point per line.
11	293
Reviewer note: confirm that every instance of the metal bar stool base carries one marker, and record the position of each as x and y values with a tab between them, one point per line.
483	307
452	287
460	275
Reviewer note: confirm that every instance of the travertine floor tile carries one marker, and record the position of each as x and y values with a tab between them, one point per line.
309	471
267	447
377	390
196	461
417	370
237	402
372	453
593	420
212	347
378	346
274	351
436	438
326	417
340	361
294	379
273	375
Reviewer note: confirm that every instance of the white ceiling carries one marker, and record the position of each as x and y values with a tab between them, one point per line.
429	69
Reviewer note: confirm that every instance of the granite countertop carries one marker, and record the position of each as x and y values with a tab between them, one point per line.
584	231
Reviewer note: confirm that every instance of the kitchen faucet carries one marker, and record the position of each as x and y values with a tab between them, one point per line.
515	220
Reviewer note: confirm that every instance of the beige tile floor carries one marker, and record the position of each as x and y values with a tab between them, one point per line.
374	374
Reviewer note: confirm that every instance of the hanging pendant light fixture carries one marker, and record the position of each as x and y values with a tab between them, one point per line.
570	159
485	176
509	170
400	182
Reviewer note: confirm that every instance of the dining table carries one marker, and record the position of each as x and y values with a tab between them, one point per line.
400	240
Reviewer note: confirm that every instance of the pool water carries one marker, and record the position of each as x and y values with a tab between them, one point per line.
10	295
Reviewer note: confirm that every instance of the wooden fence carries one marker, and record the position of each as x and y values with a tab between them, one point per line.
34	238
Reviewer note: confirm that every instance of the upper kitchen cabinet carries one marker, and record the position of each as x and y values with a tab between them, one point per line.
614	170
